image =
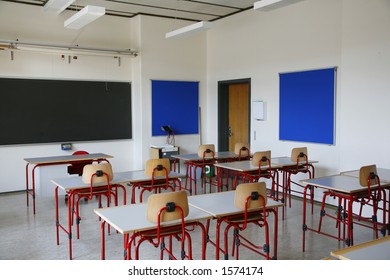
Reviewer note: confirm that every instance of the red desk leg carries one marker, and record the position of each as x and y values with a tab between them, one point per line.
70	198
350	221
103	242
217	238
204	237
304	225
276	221
58	224
57	218
32	190
27	189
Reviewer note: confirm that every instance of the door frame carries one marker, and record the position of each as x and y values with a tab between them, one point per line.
223	111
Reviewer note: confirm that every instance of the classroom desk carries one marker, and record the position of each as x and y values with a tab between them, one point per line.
71	185
124	220
287	163
138	178
244	168
221	205
383	173
189	159
195	157
279	164
55	160
346	187
378	249
384	177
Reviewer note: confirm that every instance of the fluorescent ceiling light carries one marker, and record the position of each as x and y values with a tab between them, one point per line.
84	17
267	5
57	6
190	29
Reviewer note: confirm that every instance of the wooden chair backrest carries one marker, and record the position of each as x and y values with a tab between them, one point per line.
364	174
205	147
151	164
158	201
296	152
246	189
91	169
239	147
258	158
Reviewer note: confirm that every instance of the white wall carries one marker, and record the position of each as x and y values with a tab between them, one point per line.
169	59
350	34
365	87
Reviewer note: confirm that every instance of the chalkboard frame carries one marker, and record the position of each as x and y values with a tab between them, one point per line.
45	111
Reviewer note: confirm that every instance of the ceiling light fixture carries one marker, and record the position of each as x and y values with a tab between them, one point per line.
57	6
267	5
190	29
85	16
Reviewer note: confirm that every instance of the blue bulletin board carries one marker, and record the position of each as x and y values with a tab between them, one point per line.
307	106
175	104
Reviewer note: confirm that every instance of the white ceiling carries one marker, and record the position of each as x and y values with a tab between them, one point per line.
193	10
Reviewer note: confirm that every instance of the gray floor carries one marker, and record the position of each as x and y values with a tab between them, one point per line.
25	236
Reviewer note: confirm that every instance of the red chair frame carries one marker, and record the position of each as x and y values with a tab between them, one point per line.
157	236
240	222
155	184
299	167
106	190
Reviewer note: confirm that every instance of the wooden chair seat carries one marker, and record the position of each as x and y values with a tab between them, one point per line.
254	216
164	232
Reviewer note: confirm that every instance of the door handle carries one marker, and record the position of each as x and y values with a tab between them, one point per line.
230	132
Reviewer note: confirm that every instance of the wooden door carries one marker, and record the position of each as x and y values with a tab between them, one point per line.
238	114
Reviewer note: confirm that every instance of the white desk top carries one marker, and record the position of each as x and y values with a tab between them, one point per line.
193	157
68	158
246	165
222	203
132	218
242	166
339	183
378	249
139	176
287	161
76	182
383	174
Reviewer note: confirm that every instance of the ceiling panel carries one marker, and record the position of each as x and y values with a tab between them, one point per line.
193	10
